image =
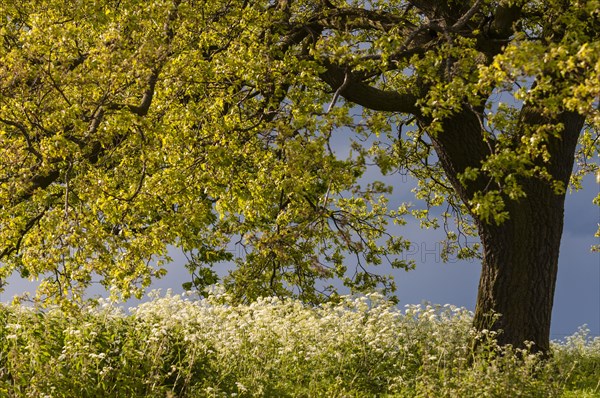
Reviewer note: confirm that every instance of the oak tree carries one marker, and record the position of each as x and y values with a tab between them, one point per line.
129	128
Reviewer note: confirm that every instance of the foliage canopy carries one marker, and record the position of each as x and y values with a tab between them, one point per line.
128	127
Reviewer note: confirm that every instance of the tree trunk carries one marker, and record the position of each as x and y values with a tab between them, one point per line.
520	255
520	263
519	269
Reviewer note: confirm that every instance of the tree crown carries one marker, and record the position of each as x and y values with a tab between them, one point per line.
128	127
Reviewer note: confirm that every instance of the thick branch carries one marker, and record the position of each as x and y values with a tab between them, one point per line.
360	18
502	26
361	93
461	145
144	106
500	30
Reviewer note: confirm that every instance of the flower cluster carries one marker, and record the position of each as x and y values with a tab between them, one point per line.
363	346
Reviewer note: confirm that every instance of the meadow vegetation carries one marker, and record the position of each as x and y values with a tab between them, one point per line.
186	346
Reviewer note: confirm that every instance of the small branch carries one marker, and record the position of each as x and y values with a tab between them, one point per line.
462	21
339	90
25	135
30	224
67	189
140	184
96	120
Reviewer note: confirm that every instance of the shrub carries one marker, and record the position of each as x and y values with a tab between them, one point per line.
176	346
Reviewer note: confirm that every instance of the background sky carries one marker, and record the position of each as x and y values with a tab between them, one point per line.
577	298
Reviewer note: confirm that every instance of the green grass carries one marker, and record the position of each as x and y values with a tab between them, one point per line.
363	347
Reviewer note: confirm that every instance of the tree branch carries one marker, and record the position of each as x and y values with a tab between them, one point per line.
360	18
25	135
144	106
462	21
362	93
30	224
503	21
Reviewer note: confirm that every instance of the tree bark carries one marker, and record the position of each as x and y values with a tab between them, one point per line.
519	269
